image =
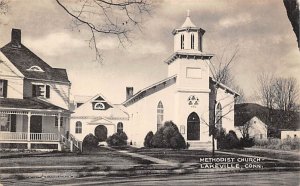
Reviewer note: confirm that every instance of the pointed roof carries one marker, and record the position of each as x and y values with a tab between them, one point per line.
188	23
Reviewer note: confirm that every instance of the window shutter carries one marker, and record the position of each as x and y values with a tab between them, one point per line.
33	91
47	91
5	88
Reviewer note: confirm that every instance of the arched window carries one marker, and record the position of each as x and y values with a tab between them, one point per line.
219	116
119	127
182	41
192	41
160	115
78	127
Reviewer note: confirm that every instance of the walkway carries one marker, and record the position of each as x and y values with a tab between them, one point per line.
149	158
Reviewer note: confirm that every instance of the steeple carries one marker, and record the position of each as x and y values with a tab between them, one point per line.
188	37
188	23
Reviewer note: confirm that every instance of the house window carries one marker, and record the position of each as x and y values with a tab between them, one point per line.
192	41
61	121
5	122
3	88
78	127
219	116
182	41
119	127
260	136
160	115
40	90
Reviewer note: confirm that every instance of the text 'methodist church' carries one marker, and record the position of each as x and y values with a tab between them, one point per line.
184	96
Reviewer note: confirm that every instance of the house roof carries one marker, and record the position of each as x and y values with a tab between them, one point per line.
23	59
28	103
150	90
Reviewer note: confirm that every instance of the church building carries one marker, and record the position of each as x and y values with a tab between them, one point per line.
188	96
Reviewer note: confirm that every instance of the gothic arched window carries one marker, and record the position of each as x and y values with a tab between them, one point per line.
160	115
219	116
119	127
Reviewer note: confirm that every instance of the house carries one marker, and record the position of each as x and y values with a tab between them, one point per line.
185	96
290	134
34	99
98	116
254	127
275	120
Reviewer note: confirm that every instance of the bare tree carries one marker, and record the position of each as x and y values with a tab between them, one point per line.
3	6
286	93
117	18
245	129
265	90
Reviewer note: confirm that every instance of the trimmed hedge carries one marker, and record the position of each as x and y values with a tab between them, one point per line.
89	142
168	136
117	139
148	139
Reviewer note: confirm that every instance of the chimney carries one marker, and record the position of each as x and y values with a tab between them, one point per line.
16	37
129	92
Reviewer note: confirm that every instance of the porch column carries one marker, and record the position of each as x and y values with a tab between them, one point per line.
58	123
28	130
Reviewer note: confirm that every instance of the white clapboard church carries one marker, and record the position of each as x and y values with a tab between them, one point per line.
184	97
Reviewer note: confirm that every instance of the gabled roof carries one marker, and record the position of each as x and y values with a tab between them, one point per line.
150	90
27	103
23	59
224	87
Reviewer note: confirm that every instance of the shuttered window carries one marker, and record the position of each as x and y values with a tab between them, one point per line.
3	88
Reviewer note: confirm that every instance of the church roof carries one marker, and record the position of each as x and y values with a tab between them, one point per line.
150	90
188	23
189	54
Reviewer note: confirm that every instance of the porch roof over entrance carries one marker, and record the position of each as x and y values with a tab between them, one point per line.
29	104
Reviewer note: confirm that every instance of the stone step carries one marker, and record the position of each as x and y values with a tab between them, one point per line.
200	145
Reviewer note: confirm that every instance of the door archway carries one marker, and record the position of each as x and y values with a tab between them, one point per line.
193	127
101	132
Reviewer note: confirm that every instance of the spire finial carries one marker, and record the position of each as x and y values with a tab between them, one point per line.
188	13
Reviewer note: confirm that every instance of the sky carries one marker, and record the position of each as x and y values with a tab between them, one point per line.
260	29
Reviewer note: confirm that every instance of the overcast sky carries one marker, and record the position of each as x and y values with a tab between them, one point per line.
260	28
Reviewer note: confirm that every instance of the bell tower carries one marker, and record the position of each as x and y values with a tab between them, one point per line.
188	37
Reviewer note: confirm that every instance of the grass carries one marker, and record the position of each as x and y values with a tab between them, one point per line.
268	154
179	156
100	157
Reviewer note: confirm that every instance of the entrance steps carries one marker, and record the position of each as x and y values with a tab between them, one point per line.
197	145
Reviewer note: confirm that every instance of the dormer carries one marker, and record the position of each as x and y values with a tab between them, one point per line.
188	37
35	68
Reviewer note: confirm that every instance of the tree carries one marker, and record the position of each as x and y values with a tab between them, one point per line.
117	18
3	7
293	12
286	93
266	89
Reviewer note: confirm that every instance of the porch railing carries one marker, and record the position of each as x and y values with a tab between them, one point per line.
22	136
13	136
43	137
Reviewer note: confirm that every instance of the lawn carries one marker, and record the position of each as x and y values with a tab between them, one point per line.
99	157
179	156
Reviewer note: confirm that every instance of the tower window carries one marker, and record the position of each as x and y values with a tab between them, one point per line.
182	41
192	41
